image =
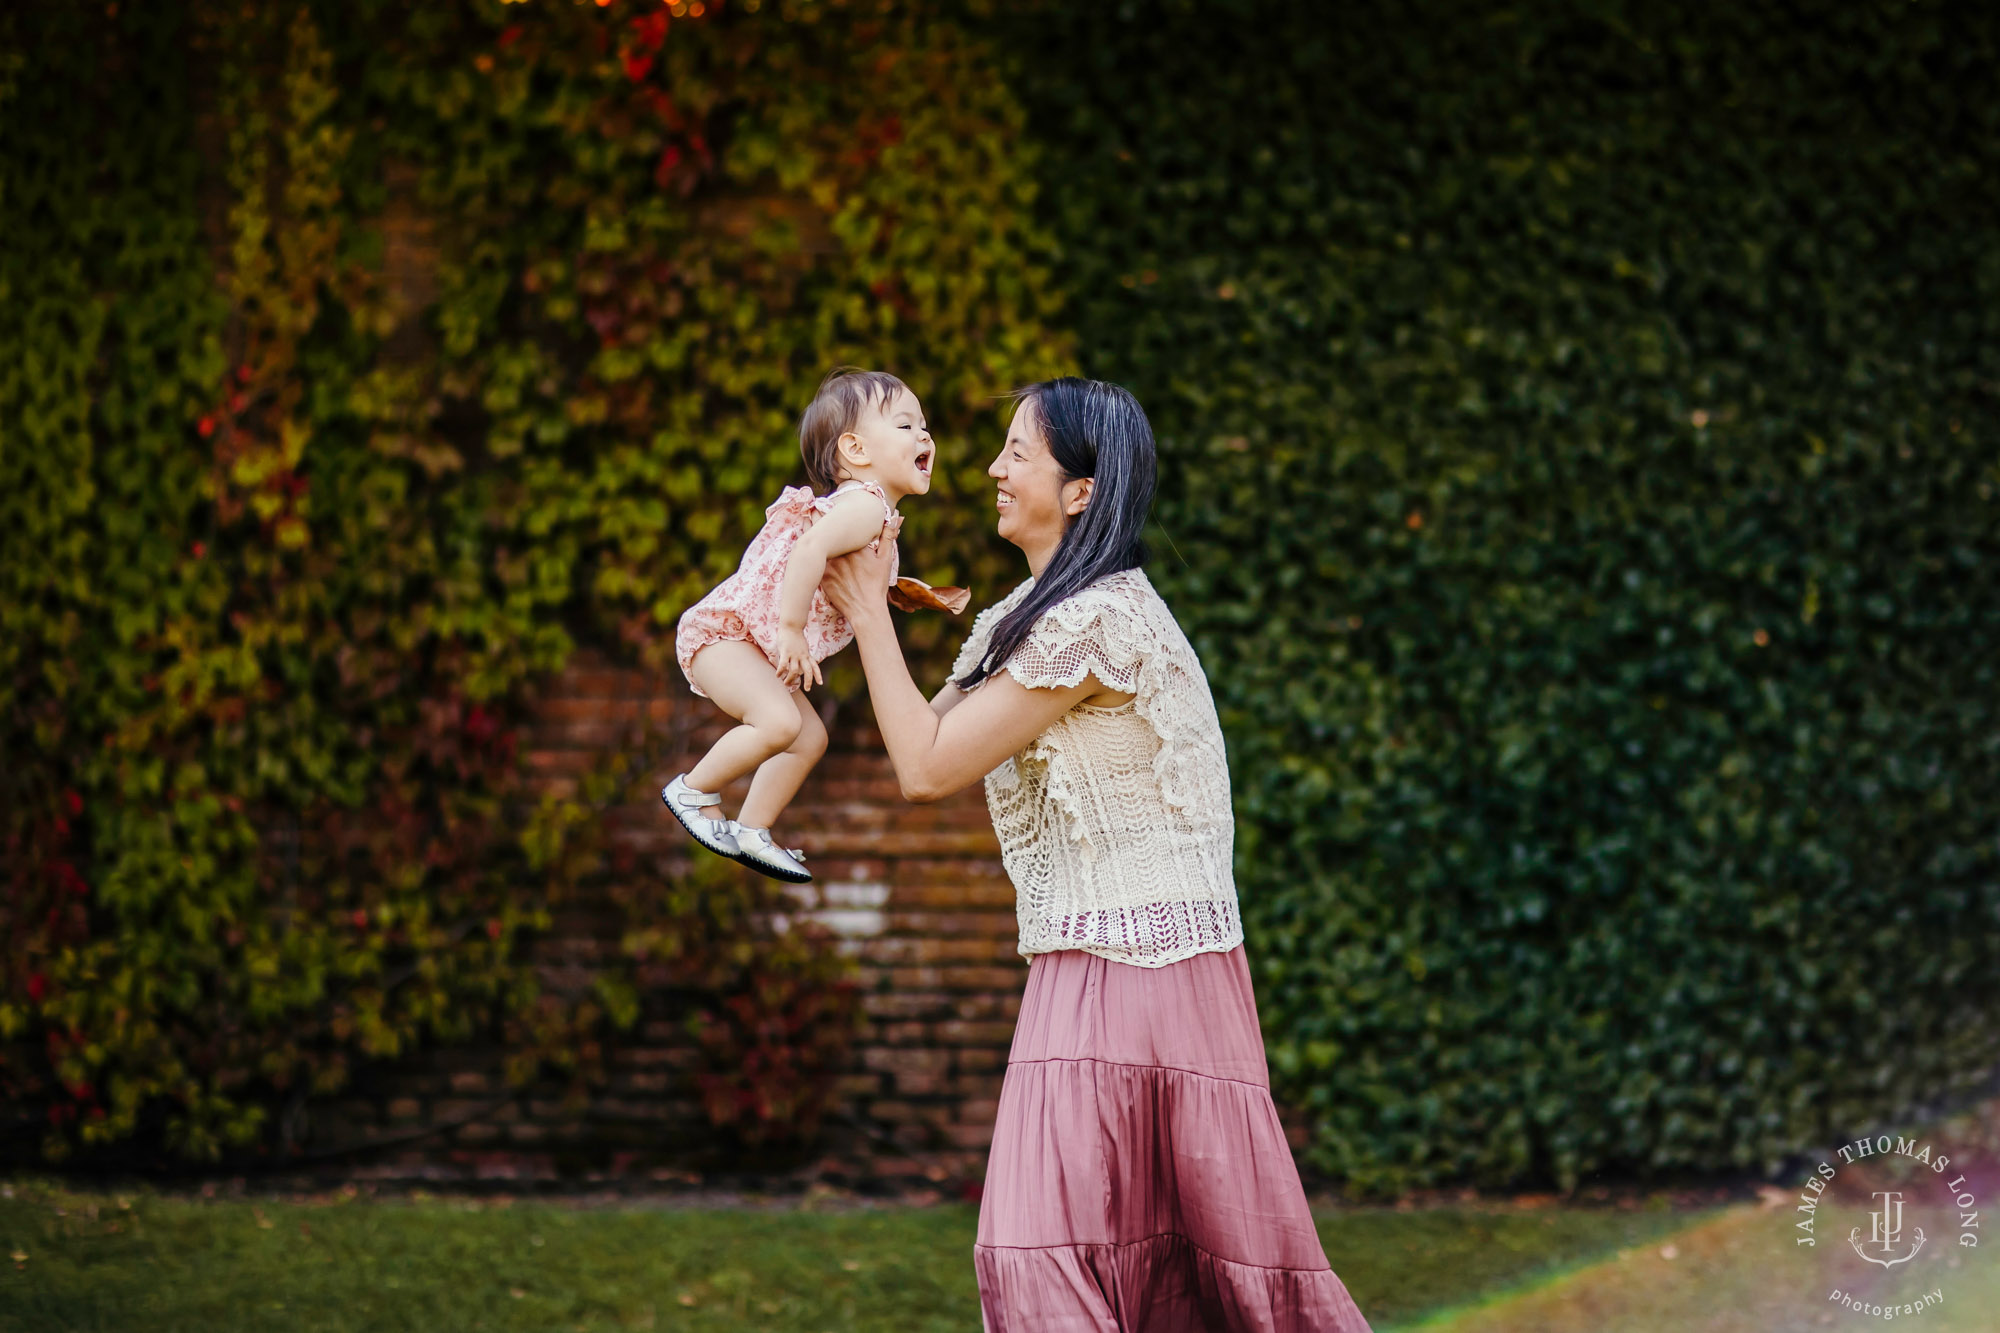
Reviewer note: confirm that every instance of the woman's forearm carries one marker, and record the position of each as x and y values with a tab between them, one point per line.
909	727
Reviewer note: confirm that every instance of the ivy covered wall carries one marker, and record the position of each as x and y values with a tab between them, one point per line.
1581	427
362	361
1579	479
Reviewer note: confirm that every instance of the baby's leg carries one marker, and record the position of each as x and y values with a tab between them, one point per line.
744	685
778	778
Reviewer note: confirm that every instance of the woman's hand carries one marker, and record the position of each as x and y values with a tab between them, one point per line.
858	582
795	663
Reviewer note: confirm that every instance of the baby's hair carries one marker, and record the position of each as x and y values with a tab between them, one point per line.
832	413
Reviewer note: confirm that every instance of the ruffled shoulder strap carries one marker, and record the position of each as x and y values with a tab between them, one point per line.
793	499
825	502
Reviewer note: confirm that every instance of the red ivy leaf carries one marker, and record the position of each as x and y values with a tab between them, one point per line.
669	160
650	30
663	106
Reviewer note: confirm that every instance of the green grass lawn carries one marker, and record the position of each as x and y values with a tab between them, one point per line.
163	1263
1740	1271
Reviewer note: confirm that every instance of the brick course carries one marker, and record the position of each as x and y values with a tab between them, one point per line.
916	895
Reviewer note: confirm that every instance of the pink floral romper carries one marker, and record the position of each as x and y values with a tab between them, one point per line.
745	605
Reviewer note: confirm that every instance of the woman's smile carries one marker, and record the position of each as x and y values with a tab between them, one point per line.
1031	501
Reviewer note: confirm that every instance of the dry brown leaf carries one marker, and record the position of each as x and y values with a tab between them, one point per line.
915	595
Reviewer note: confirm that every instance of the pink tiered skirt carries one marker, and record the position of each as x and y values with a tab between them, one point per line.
1139	1178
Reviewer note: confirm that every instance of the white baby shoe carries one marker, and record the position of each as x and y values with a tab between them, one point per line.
755	849
685	804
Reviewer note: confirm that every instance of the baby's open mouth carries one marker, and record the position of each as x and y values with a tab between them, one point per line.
924	462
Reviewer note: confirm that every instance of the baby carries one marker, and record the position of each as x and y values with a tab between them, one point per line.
754	644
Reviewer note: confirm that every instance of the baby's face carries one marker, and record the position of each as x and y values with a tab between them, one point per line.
900	450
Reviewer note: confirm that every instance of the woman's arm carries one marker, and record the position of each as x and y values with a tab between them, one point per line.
943	746
947	698
936	754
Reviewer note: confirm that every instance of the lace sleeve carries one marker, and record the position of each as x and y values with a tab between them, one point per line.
975	646
1094	633
981	633
1119	631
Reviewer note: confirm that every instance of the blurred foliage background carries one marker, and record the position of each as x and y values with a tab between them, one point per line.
1579	428
1577	424
363	360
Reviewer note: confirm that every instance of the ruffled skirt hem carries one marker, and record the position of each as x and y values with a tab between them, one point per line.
1162	1284
1139	1177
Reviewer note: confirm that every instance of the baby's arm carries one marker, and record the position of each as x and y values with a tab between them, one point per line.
853	522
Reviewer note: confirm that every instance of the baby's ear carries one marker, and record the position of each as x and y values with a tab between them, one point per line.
852	449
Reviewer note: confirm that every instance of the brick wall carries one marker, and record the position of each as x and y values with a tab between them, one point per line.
915	894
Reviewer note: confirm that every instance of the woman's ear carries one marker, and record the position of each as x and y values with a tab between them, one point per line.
1078	500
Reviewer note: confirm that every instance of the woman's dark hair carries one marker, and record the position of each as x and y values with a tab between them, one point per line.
1093	430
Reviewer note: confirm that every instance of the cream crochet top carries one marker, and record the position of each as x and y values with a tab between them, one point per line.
1115	823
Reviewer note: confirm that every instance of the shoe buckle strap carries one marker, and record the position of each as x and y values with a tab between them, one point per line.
763	835
690	799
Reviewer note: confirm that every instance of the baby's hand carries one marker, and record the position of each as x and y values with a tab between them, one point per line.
795	665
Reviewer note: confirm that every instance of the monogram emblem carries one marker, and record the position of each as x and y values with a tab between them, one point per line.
1885	1233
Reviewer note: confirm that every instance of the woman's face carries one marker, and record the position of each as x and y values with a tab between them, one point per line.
1035	504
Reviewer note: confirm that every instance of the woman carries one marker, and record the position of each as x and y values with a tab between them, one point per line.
1139	1178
